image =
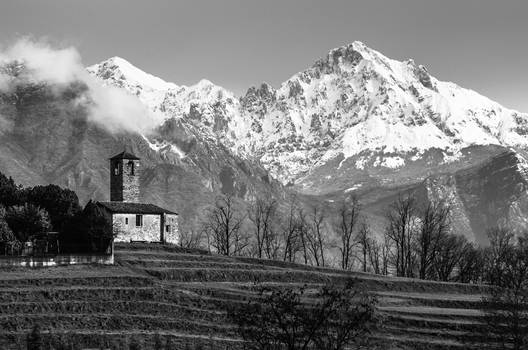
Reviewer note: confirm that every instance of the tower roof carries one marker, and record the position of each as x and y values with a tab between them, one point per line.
124	155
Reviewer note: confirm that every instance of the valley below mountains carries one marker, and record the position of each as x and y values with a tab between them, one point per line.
354	123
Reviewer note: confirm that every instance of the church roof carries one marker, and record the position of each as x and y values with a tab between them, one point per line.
134	208
124	155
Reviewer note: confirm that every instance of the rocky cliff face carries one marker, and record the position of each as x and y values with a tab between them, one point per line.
355	108
356	122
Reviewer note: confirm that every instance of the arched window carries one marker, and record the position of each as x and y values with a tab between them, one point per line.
130	166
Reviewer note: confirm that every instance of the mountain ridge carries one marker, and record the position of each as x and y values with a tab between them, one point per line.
394	104
353	123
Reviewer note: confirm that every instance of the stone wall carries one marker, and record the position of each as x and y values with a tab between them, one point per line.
124	182
150	231
173	235
131	181
57	260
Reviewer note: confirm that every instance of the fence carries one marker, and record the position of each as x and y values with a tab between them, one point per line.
56	260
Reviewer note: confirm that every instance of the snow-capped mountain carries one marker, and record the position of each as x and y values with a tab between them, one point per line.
354	105
354	123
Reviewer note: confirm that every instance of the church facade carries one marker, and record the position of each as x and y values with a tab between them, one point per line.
132	220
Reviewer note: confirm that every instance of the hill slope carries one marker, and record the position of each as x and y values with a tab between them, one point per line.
183	296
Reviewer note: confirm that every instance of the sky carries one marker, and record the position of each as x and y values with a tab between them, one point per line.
478	44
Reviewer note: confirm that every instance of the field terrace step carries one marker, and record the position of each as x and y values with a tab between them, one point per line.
103	338
465	337
170	263
185	296
142	294
436	311
152	255
89	275
430	299
113	321
432	322
436	301
390	341
225	274
88	293
132	307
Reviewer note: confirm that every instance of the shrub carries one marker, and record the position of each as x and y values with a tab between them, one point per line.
60	203
10	193
98	227
135	345
34	339
27	220
287	319
6	234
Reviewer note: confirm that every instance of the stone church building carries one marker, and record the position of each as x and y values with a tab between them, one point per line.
135	221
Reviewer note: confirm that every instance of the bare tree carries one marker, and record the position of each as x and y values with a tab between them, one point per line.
375	256
348	217
401	229
501	243
450	251
290	233
471	266
364	241
385	256
506	306
262	214
223	227
316	237
435	226
272	244
303	231
378	255
191	239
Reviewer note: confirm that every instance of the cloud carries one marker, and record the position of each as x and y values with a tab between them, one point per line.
117	110
59	66
107	106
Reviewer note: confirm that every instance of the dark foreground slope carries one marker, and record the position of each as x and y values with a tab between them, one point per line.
183	296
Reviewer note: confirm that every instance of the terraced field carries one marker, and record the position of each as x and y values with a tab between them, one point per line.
165	292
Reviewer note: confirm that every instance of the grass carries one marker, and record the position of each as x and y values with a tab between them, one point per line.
183	295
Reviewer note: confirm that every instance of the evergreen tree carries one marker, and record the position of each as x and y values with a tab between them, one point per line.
27	220
60	203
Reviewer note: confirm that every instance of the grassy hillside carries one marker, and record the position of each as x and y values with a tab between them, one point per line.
183	296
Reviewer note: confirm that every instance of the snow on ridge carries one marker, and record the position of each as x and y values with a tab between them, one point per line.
132	74
352	101
164	146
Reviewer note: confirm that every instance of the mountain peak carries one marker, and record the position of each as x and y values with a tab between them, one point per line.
204	83
350	54
119	69
121	62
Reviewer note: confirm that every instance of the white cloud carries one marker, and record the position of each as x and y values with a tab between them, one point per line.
110	107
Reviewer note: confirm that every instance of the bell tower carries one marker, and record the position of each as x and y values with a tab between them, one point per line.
124	178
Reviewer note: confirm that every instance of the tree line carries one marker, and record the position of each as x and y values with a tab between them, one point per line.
417	241
29	212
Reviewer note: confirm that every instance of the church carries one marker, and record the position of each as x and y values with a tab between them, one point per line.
132	220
